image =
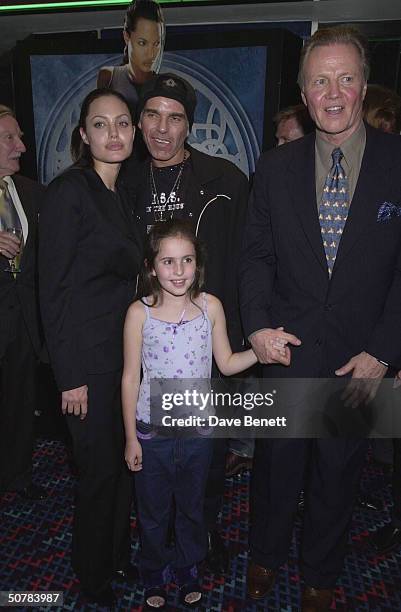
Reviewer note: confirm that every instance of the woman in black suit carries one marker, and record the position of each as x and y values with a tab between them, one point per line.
89	254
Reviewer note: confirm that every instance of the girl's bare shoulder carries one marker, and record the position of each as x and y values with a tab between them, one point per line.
214	305
136	312
212	300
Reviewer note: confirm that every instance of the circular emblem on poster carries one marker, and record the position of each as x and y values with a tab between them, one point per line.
221	127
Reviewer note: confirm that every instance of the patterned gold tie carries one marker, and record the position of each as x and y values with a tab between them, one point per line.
8	213
333	209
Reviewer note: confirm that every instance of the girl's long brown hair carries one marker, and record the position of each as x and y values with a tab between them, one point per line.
148	284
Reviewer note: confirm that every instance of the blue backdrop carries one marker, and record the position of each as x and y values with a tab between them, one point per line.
230	86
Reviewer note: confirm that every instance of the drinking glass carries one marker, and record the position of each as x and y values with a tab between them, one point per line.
14	264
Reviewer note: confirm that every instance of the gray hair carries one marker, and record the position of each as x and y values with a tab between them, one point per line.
6	111
336	35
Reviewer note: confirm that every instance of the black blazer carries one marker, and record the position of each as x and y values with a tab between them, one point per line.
22	291
283	274
89	257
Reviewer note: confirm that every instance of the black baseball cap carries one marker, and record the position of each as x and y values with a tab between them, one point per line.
169	85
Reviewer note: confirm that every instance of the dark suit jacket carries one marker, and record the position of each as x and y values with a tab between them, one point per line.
89	257
22	291
283	276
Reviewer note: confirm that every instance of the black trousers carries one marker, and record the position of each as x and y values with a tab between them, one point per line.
17	403
334	468
101	531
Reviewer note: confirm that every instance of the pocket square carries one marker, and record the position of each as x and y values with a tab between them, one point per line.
388	211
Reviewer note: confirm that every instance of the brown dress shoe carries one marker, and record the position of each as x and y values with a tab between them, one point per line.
316	600
260	580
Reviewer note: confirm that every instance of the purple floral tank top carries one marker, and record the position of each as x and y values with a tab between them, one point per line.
173	350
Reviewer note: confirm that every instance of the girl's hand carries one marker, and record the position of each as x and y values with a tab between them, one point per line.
271	345
133	455
75	401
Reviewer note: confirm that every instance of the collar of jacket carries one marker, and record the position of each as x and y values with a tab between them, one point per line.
93	179
304	148
204	166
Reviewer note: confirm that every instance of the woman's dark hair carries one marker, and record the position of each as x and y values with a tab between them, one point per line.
174	228
144	9
80	152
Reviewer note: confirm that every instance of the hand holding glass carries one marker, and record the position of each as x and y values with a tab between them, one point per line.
14	267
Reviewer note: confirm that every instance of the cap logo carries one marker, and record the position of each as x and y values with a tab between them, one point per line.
170	83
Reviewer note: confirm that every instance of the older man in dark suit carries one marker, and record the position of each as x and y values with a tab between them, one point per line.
321	262
19	328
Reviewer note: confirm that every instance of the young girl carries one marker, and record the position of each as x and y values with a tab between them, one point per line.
173	332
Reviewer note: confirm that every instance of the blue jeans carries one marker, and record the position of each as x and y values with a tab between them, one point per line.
174	470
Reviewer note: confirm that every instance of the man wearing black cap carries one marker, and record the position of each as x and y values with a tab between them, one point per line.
181	182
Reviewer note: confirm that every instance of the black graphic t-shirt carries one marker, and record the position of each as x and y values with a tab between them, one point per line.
168	203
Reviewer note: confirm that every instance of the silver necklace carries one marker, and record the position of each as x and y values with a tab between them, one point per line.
162	204
180	322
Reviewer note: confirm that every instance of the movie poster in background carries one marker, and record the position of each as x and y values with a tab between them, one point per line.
230	86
